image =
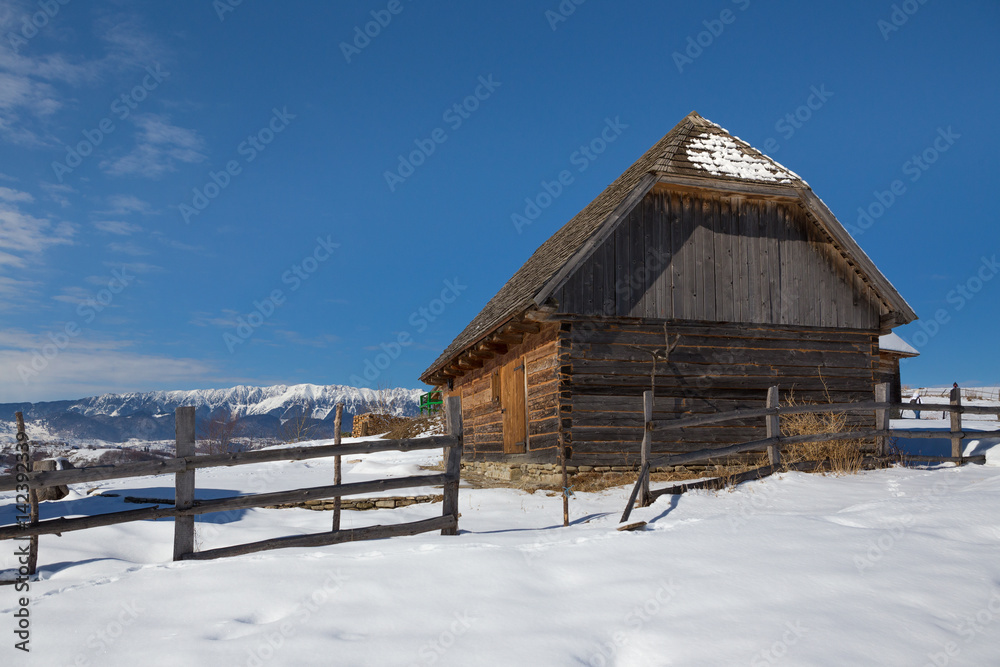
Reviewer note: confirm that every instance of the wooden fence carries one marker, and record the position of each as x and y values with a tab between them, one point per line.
186	462
772	443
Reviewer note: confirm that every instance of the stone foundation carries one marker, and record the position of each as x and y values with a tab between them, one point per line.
385	502
550	474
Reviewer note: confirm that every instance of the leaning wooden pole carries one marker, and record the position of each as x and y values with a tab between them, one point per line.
184	482
452	462
25	454
337	471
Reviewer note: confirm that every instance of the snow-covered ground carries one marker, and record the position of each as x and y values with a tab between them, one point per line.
892	567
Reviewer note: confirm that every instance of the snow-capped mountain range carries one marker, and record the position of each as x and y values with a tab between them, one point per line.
150	415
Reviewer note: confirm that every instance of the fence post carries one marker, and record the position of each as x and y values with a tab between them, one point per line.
184	482
956	423
647	439
337	470
452	461
773	428
23	444
881	416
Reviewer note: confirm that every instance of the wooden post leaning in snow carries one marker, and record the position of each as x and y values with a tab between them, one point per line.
452	461
881	416
184	483
644	453
773	428
956	423
337	472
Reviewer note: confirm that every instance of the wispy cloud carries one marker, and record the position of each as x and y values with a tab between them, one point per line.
160	145
57	192
129	248
124	205
117	227
23	235
8	194
90	365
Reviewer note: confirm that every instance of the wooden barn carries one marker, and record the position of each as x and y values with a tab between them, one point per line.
707	269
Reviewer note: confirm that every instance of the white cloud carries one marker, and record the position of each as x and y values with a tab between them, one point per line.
117	227
160	145
88	366
23	234
129	248
7	194
126	204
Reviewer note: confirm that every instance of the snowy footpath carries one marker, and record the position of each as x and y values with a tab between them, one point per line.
891	567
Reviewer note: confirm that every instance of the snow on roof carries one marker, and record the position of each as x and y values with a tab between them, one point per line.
722	156
893	343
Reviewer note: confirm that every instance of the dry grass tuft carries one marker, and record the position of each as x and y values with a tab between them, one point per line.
844	457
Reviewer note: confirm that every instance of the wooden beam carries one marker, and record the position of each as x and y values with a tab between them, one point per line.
452	463
526	327
507	338
323	539
171	466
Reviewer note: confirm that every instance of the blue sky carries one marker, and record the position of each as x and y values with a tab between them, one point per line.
195	194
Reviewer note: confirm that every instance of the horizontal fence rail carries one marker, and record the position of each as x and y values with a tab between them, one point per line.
774	440
185	507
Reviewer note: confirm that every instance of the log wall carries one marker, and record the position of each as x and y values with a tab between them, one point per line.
713	368
481	417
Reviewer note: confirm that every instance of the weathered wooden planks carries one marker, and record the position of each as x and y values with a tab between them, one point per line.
721	258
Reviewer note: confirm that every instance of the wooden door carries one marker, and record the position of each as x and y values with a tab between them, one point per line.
513	407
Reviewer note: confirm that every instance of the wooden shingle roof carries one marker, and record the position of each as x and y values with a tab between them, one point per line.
696	150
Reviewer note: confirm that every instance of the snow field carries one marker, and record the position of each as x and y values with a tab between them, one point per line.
890	567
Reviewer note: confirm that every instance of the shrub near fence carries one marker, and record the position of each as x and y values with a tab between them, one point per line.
187	462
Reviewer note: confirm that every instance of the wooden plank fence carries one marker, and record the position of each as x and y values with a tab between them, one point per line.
187	462
772	412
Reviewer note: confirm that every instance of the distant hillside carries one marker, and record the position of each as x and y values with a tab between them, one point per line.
150	415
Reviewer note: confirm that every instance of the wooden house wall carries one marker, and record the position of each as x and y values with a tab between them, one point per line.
720	258
713	368
888	371
481	417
